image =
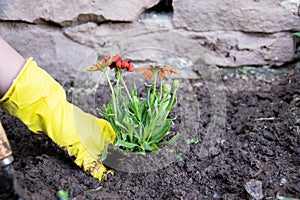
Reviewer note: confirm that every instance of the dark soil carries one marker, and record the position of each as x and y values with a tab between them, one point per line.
259	142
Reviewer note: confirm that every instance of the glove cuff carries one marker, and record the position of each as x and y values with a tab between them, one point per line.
11	89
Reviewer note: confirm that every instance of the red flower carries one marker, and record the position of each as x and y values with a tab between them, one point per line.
130	68
119	64
117	58
125	64
112	62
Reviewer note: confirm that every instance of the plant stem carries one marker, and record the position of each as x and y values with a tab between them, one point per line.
112	93
127	91
154	89
116	89
172	101
161	89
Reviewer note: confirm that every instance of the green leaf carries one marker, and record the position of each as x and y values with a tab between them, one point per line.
147	146
134	91
297	34
253	72
122	143
172	140
62	194
121	125
192	141
181	159
244	70
145	118
124	136
154	148
160	133
148	96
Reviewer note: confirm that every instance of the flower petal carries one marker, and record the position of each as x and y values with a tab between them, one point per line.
161	74
148	74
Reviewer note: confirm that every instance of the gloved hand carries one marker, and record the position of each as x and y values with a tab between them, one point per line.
40	103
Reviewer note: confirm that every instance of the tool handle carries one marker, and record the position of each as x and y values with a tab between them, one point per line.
5	150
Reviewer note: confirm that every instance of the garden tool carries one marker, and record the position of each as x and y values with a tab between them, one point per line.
9	180
6	157
40	103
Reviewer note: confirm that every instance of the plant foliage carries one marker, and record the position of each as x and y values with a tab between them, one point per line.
141	124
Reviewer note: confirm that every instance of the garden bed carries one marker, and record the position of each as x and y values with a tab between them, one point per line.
259	142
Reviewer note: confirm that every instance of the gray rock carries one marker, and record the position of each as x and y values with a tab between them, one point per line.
53	51
235	48
292	5
73	12
223	48
266	16
142	42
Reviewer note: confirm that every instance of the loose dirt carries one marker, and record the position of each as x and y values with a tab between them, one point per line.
259	143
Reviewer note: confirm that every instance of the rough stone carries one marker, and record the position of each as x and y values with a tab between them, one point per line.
54	52
235	48
154	42
266	16
73	12
64	37
293	5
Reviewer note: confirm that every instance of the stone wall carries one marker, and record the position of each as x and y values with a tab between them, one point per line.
66	36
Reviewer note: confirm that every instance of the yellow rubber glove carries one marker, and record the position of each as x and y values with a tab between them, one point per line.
40	102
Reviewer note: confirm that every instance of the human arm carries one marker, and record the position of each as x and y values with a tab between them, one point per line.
10	66
30	94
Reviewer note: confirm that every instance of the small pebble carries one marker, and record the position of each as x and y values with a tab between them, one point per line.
254	188
214	151
283	181
216	196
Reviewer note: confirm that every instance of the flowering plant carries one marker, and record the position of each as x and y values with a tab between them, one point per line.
141	124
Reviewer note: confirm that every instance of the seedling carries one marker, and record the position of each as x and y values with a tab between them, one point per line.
62	194
181	159
140	123
246	69
192	141
253	72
